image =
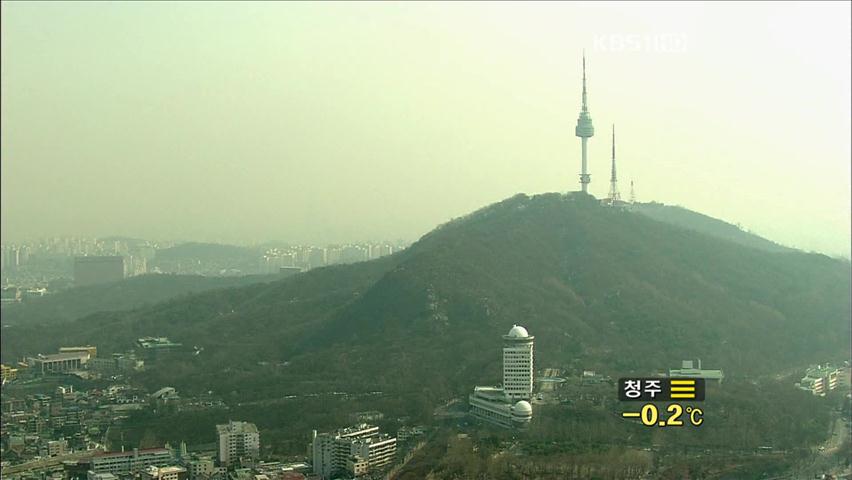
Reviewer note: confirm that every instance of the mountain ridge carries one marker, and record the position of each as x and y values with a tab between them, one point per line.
601	288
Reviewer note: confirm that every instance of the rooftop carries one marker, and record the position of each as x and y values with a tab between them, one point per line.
131	452
236	427
356	428
492	394
157	342
694	372
820	370
518	331
376	439
53	357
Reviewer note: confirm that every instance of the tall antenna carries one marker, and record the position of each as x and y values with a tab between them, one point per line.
584	130
632	193
585	98
614	195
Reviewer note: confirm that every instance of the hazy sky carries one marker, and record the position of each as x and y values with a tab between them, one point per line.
325	122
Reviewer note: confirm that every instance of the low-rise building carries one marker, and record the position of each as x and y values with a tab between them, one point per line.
407	433
56	448
200	467
820	379
59	362
157	343
689	369
90	349
100	476
368	416
123	463
357	466
7	373
493	405
165	394
171	472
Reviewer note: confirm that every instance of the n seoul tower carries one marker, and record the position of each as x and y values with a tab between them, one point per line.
584	130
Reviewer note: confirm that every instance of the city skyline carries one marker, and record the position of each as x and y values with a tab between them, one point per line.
204	122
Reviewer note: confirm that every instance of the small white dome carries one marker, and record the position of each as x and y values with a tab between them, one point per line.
522	409
518	331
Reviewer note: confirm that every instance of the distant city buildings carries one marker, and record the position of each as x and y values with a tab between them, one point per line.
44	266
237	442
307	257
354	451
508	406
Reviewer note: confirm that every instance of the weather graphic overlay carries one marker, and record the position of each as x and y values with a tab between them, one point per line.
660	390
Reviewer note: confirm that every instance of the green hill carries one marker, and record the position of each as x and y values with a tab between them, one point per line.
602	289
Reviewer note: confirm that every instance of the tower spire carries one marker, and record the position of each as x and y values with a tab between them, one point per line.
632	193
584	130
585	103
614	195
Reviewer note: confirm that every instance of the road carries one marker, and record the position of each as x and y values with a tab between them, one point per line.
823	459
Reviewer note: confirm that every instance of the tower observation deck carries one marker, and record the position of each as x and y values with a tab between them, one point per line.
584	130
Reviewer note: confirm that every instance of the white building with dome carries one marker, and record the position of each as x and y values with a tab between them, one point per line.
508	406
518	363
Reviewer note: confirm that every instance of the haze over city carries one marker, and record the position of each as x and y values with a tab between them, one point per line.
344	122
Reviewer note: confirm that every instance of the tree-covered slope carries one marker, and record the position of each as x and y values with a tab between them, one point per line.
605	289
702	223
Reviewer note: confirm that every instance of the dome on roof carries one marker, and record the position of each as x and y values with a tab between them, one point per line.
518	331
522	409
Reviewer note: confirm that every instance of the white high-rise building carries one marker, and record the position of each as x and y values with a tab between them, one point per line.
237	440
355	450
518	363
508	405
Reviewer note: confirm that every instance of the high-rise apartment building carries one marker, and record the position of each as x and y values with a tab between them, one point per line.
237	440
355	450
